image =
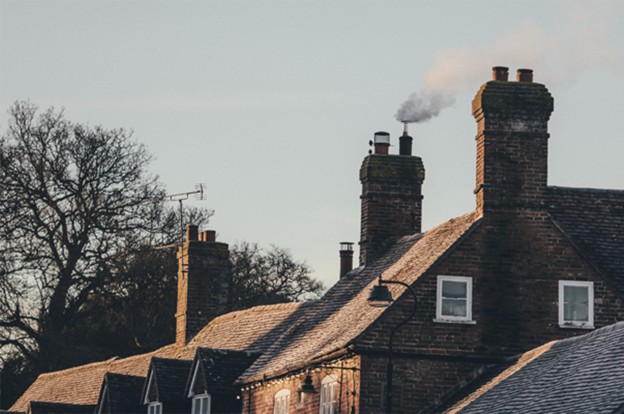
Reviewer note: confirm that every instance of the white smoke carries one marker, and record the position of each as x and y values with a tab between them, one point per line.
424	105
584	40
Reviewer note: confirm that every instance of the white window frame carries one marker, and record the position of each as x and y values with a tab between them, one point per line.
329	397
154	408
202	400
450	318
590	304
282	396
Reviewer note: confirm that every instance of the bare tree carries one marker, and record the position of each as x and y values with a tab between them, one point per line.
73	199
269	276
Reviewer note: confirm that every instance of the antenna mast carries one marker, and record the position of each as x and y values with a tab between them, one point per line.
180	197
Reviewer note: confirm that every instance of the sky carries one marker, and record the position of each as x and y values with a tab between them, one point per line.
271	104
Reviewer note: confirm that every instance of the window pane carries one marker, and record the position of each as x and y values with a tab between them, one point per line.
205	405
281	403
576	303
329	397
454	307
453	289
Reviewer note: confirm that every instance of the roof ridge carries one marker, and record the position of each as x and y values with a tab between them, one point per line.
522	361
587	189
78	368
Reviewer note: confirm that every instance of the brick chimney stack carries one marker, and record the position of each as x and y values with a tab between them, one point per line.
391	196
512	141
204	280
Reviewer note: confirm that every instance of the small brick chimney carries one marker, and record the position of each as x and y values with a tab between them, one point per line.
512	141
204	280
391	196
346	258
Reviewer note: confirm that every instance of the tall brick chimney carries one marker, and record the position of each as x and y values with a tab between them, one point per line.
204	280
512	141
391	196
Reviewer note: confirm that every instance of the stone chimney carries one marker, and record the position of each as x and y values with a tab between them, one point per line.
391	196
512	141
204	280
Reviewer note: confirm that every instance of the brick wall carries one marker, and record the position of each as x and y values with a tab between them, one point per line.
391	201
515	259
260	399
418	383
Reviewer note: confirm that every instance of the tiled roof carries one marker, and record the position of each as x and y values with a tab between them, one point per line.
171	376
342	314
220	368
594	221
124	393
583	374
81	385
251	329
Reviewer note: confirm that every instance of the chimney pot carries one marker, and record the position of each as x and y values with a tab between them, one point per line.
191	233
524	75
500	73
208	236
381	140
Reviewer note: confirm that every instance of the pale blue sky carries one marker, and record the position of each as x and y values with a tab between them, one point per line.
271	103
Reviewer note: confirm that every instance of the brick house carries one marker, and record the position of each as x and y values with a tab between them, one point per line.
530	265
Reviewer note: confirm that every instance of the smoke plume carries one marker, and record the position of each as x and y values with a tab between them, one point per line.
424	105
557	56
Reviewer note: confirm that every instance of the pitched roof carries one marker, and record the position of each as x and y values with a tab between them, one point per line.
81	385
252	329
579	374
218	369
342	314
122	393
594	221
170	377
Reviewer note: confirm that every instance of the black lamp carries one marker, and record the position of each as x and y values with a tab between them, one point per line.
380	296
307	387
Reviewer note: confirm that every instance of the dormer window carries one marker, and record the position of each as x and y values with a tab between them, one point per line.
454	299
201	404
576	304
154	408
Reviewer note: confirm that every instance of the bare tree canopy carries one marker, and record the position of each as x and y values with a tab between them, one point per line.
72	199
269	276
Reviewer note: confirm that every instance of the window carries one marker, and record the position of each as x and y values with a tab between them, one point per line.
329	396
281	402
154	408
454	302
576	304
201	404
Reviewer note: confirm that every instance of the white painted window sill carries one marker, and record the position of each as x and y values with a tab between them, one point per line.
571	326
458	321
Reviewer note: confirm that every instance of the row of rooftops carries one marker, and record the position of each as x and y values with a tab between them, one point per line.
288	337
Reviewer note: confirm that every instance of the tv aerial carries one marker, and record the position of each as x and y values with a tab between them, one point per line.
181	197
